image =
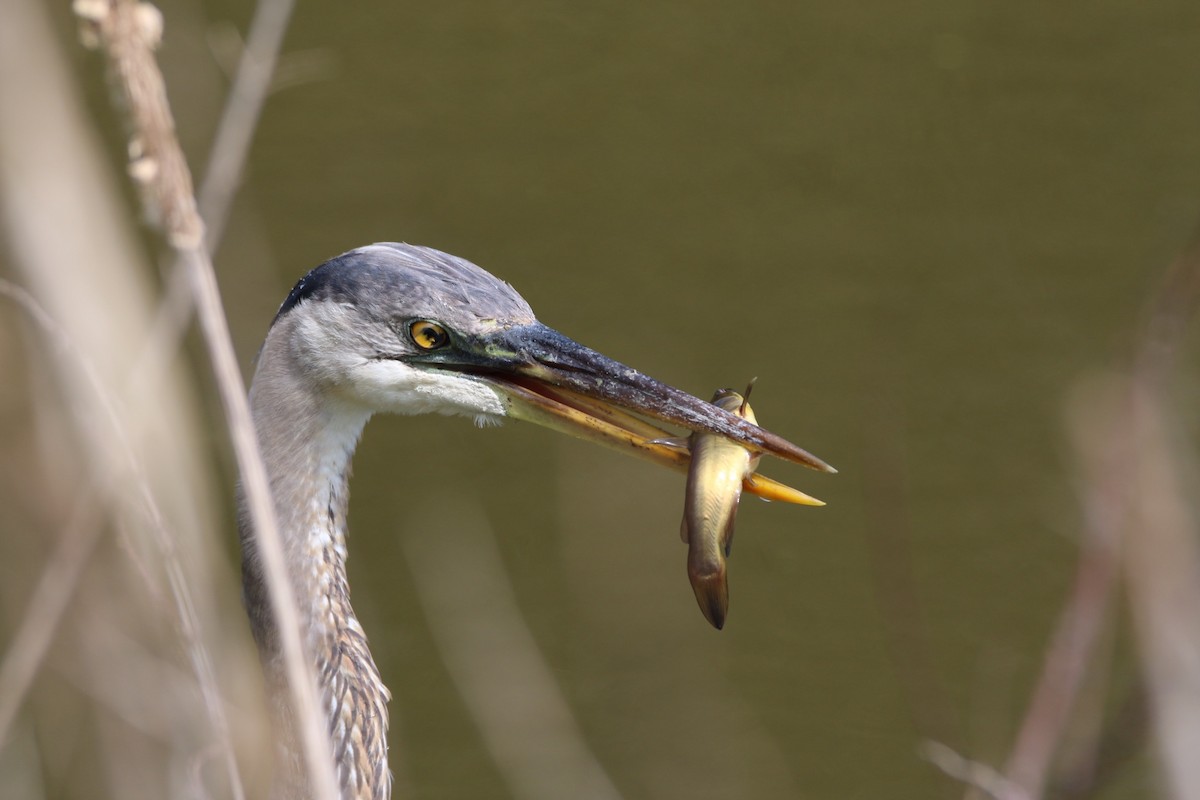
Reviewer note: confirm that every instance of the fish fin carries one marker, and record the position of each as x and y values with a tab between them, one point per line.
746	395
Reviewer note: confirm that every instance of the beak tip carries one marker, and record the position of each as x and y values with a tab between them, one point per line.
791	452
821	466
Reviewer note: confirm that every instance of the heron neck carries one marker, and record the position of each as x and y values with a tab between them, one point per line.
307	439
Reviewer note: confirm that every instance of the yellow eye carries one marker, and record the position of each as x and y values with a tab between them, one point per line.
428	335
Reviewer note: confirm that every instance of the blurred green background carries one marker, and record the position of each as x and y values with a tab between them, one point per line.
919	224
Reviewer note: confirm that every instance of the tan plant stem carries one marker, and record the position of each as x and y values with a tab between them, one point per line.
127	32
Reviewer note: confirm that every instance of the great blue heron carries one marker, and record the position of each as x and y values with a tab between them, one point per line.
393	327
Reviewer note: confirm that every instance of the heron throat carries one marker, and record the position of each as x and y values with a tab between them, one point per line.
308	440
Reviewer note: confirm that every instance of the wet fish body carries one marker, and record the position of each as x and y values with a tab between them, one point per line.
714	488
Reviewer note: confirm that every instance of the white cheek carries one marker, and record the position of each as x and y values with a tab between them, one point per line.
396	387
336	354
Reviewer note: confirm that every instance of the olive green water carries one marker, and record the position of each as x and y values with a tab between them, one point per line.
917	224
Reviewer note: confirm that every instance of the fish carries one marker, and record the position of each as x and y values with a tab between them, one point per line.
718	469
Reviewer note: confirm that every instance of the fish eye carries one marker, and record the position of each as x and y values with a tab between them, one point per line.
428	335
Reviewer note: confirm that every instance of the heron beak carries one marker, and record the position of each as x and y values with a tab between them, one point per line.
547	378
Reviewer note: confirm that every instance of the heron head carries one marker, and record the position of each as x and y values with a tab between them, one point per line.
413	330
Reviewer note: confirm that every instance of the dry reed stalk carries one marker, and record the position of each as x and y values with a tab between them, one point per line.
1137	519
72	248
1162	571
494	661
239	118
76	544
252	80
1081	622
128	31
1161	534
55	587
